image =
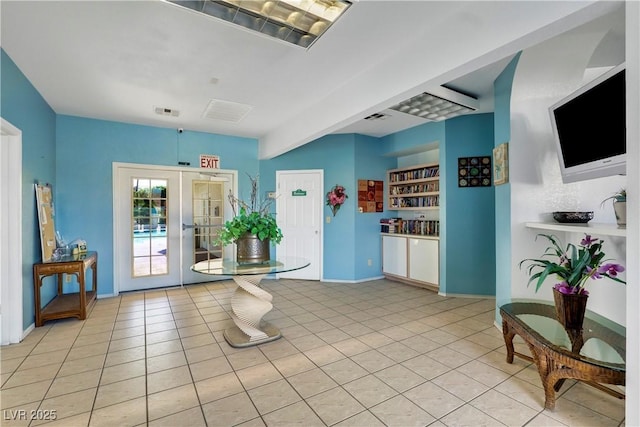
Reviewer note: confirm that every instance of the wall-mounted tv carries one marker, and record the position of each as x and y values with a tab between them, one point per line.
589	127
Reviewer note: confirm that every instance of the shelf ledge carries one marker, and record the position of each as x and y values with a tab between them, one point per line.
412	236
593	228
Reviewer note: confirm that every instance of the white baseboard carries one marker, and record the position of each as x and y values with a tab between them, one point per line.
368	279
100	296
27	331
443	294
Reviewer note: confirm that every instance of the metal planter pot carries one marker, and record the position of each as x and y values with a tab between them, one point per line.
251	250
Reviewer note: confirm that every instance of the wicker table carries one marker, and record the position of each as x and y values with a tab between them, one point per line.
595	355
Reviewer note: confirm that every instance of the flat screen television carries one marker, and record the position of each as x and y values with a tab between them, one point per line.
589	127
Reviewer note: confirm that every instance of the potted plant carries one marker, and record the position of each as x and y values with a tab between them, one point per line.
252	228
619	206
574	266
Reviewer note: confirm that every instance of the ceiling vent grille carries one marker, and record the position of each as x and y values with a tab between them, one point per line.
226	110
167	111
440	104
376	116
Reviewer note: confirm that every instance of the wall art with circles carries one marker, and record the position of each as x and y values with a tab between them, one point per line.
474	171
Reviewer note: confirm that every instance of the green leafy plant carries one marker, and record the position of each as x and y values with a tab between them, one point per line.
573	265
253	217
618	196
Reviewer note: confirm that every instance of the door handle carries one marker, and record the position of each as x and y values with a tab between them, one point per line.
186	226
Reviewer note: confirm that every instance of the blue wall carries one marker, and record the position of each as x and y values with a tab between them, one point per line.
370	165
410	140
23	107
469	253
76	155
350	239
86	149
502	126
467	228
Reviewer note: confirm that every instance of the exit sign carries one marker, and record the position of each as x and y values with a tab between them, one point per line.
209	161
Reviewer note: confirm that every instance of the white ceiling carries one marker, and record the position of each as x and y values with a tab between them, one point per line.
120	60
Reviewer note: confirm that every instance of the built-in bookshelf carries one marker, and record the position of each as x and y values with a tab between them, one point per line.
414	188
415	227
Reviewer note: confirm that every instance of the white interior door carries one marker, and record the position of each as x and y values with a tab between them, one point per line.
299	205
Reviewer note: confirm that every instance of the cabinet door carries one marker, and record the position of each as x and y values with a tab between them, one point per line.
424	260
394	255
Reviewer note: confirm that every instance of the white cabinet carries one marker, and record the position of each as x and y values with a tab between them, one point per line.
423	260
394	255
411	259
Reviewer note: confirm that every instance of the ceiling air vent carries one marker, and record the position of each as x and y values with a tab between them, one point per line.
167	112
377	116
226	110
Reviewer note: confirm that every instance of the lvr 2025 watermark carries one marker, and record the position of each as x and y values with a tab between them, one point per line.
29	415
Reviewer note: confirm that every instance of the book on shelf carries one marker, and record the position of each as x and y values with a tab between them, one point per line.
418	227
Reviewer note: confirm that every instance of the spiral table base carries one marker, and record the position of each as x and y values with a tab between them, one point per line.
249	304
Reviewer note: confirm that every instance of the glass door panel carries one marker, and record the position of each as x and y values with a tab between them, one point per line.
149	233
207	217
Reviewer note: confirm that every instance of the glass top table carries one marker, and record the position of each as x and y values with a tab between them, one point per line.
250	303
224	267
596	354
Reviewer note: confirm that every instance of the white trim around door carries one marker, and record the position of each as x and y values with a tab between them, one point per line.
120	172
11	283
299	212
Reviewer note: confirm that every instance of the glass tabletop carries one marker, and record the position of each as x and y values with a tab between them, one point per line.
225	267
601	342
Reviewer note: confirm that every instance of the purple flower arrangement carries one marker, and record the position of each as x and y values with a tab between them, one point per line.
573	265
336	197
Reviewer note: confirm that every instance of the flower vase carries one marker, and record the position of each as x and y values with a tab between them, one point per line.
620	209
570	309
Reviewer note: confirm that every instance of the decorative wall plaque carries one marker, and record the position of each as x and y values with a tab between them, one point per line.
370	196
474	171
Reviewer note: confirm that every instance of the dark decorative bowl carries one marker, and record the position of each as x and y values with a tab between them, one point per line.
573	217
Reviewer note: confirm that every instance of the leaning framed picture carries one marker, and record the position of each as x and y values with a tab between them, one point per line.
501	164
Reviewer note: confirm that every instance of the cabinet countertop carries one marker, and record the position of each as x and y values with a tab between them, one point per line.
412	236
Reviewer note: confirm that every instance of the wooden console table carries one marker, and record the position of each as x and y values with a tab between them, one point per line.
595	355
65	305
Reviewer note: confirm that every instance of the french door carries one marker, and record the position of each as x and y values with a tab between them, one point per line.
205	208
165	221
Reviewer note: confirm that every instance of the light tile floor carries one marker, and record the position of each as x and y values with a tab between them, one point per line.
368	354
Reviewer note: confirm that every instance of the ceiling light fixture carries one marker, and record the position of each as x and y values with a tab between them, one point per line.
435	108
300	22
